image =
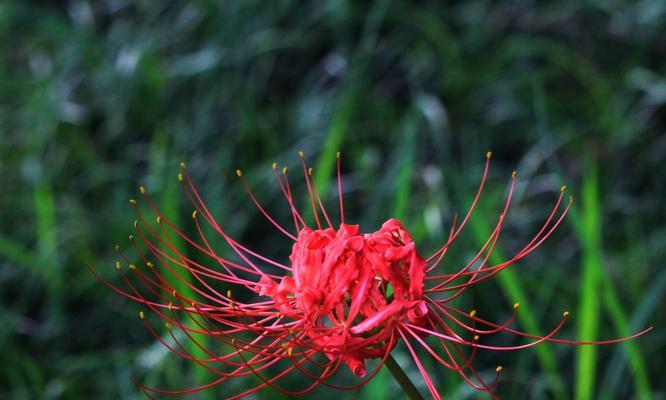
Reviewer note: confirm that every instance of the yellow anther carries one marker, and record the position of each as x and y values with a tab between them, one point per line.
489	154
142	190
136	223
514	173
284	346
141	315
476	337
290	351
472	313
274	166
565	314
170	306
284	170
131	237
229	293
132	202
167	325
233	341
194	214
117	247
301	154
310	171
516	305
132	266
498	369
180	177
149	264
239	173
173	292
158	219
337	155
118	265
563	188
194	304
182	164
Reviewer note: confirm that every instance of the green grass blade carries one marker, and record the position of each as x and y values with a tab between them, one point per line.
610	298
588	313
17	253
47	242
406	170
45	212
623	327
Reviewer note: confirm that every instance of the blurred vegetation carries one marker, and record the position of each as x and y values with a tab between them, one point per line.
97	97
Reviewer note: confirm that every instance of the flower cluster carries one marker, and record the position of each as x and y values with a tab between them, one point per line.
343	298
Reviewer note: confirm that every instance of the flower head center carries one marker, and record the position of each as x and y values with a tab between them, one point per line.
351	287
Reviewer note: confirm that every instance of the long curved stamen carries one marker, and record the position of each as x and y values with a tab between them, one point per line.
287	195
472	316
482	386
260	208
291	198
499	267
162	255
490	244
443	252
321	205
309	186
161	219
541	236
553	340
208	217
419	364
545	338
492	241
469	212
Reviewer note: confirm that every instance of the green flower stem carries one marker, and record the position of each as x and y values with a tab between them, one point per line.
402	379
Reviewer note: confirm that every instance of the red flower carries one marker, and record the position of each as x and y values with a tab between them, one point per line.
343	298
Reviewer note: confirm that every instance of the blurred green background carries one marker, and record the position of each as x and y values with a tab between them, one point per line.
98	97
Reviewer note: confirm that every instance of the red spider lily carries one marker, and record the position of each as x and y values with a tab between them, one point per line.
343	298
